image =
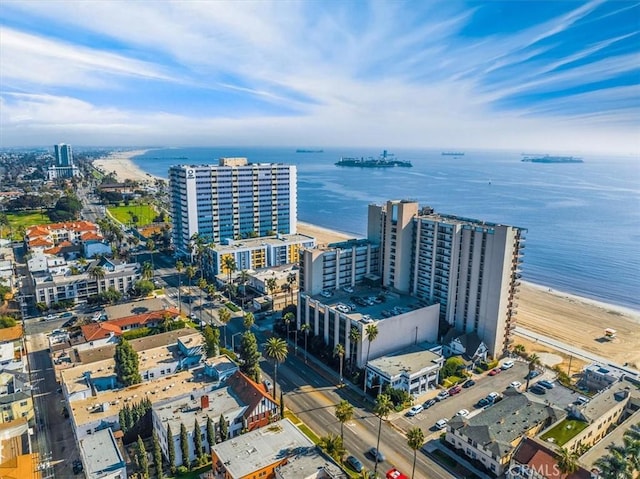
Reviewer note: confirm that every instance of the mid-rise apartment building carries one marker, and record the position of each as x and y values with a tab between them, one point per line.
234	199
470	267
64	167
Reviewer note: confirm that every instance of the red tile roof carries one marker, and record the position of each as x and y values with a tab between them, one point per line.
544	461
40	242
38	231
95	331
250	392
90	236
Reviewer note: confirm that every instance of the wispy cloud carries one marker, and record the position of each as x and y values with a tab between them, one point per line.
377	73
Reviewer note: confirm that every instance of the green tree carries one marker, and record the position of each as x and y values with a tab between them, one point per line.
248	320
157	455
211	433
276	349
126	364
171	446
212	340
292	279
250	356
224	316
305	328
344	413
179	268
184	446
287	319
354	340
197	439
143	287
452	367
371	333
202	285
333	446
151	246
534	362
98	273
7	322
141	457
382	409
147	270
244	277
229	266
223	425
272	284
339	351
415	440
567	461
190	272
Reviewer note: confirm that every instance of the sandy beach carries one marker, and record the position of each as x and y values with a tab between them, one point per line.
120	163
562	316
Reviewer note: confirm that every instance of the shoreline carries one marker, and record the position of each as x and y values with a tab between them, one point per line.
121	164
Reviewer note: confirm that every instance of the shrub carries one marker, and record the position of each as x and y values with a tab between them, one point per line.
232	307
136	333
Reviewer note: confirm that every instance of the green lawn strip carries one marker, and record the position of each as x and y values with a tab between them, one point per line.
195	474
564	431
26	219
309	433
145	213
232	307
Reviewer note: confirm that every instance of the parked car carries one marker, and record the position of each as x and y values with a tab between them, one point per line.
462	413
68	323
376	455
454	390
50	317
429	403
483	402
441	424
354	463
515	385
507	365
537	389
417	409
68	314
492	396
469	383
442	395
533	374
546	384
495	371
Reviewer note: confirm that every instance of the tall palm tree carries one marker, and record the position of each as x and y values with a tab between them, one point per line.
151	246
97	273
292	278
382	409
305	328
224	316
287	319
332	445
519	349
229	266
567	461
190	271
244	277
276	349
354	339
613	466
147	270
272	284
415	440
202	285
371	333
339	351
534	361
179	268
344	413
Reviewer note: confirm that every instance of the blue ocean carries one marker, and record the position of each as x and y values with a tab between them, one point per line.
583	219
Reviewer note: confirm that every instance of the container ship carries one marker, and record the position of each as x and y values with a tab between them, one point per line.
385	160
552	159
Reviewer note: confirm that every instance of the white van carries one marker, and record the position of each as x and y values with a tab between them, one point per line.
442	423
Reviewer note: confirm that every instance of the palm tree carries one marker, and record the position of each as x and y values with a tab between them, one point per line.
567	461
202	284
190	272
332	445
147	270
276	349
229	265
151	246
305	328
382	409
248	320
224	316
415	440
519	349
371	335
354	339
292	278
97	273
534	361
272	284
613	466
339	351
287	319
179	268
244	277
344	413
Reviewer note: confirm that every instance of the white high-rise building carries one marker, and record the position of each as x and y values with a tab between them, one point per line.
234	199
64	167
470	267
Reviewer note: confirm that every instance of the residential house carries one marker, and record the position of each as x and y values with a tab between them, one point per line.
536	460
469	346
16	405
598	376
261	407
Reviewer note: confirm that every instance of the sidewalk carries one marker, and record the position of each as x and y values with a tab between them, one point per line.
436	445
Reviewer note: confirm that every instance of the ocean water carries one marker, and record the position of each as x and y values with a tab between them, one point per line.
583	219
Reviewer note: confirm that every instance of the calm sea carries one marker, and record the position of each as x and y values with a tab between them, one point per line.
583	219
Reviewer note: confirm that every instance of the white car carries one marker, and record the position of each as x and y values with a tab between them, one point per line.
442	423
417	409
516	385
462	413
507	365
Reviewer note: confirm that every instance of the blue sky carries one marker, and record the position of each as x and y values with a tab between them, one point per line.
541	75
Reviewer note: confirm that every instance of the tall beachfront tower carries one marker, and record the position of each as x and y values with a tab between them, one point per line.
470	267
64	155
231	200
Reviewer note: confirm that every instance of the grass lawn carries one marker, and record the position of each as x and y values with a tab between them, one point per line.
145	213
23	218
564	431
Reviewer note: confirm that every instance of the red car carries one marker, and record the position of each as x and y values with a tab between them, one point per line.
495	371
454	390
395	474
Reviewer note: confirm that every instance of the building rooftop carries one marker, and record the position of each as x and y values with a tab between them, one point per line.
104	329
613	438
11	334
137	307
251	243
604	401
497	427
539	457
260	448
371	309
307	462
100	452
409	360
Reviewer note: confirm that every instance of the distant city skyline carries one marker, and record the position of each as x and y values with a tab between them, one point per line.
542	76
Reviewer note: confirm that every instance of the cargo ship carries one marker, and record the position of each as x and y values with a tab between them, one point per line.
300	150
453	153
552	159
385	160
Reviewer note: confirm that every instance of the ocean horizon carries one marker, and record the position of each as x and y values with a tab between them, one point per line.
582	219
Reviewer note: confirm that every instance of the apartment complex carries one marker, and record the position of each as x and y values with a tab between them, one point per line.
471	268
64	167
234	199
